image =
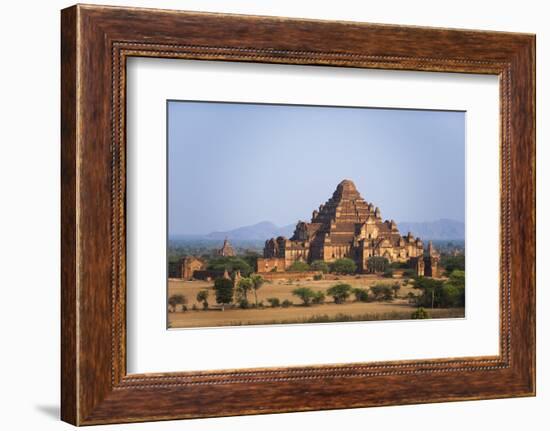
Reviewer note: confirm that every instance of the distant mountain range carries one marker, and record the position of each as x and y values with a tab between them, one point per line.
443	229
259	231
440	229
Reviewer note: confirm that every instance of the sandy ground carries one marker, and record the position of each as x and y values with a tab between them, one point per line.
283	290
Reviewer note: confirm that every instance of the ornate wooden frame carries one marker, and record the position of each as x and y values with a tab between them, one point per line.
96	41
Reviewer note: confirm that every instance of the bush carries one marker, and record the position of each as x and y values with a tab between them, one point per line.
305	294
343	266
318	297
274	302
194	307
202	296
298	266
361	295
176	300
377	264
244	304
409	273
420	313
399	265
318	277
388	273
320	265
382	292
396	288
340	292
261	304
286	303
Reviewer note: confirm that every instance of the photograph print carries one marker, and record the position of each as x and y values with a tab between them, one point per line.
299	214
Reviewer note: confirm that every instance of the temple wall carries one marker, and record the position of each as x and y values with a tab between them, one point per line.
267	265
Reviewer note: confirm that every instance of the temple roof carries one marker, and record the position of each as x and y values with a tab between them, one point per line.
341	217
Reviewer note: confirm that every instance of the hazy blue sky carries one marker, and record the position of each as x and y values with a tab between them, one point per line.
232	165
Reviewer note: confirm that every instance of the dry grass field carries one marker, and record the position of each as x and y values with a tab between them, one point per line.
281	289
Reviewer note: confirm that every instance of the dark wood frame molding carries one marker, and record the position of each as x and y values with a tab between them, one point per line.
95	43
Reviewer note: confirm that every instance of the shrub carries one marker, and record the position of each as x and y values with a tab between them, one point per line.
286	303
396	287
244	304
305	294
320	265
388	273
261	304
382	292
202	296
176	300
409	273
343	266
194	307
377	264
298	266
318	297
274	269
361	295
340	292
318	277
420	313
224	291
274	302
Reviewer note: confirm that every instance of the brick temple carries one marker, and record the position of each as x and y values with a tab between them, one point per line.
347	226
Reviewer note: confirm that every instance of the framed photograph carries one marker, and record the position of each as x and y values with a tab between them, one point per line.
322	214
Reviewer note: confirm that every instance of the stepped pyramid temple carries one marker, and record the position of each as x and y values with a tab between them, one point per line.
347	226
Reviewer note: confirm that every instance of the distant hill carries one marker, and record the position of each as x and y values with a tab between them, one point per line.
259	231
443	229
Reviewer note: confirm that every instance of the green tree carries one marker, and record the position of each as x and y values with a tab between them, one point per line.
202	296
251	258
176	300
224	291
340	292
431	291
451	263
343	266
382	292
244	286
229	263
257	283
361	294
305	294
453	291
318	297
320	265
377	264
298	266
